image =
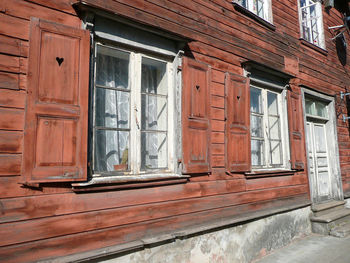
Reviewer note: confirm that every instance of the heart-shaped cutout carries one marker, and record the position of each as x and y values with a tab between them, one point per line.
59	60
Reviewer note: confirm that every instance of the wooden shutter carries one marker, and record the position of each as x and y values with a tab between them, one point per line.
237	111
196	116
296	130
55	141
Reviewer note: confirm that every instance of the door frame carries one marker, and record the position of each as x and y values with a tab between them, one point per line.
332	146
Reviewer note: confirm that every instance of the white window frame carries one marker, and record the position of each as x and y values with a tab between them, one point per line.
283	116
320	42
134	159
267	9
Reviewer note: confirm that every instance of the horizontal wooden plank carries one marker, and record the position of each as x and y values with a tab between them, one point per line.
26	10
11	119
81	222
278	181
10	164
217	114
218	137
12	46
218	160
15	209
11	141
9	63
9	81
71	244
12	187
12	98
60	5
14	27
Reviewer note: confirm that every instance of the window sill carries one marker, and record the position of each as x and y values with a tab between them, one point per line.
253	16
269	173
314	47
127	182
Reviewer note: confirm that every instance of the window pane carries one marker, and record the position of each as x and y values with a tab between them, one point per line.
272	103
112	68
255	100
154	112
112	108
111	150
153	150
257	152
243	3
308	106
275	150
321	109
154	78
274	127
256	126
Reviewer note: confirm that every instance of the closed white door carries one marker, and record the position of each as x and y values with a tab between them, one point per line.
318	159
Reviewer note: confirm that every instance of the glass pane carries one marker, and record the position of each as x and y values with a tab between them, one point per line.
154	78
302	3
272	103
256	126
153	150
321	109
275	150
274	128
260	8
112	108
154	112
243	3
112	67
255	100
308	106
257	153
111	150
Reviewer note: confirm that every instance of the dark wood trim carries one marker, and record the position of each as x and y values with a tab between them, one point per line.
261	173
314	47
253	16
128	185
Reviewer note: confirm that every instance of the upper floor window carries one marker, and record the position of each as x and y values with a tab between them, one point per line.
311	25
261	8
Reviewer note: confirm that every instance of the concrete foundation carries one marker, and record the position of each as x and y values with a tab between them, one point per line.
236	244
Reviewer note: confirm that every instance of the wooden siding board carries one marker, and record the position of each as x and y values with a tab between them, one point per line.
70	244
9	81
14	27
10	164
88	221
11	142
11	119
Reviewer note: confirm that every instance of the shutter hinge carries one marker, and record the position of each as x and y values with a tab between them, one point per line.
179	68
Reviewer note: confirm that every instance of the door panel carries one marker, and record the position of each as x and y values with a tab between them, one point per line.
318	159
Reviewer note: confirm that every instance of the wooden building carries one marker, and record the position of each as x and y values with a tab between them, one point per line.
133	124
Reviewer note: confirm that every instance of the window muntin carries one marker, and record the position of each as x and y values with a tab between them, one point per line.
266	110
261	8
131	113
311	25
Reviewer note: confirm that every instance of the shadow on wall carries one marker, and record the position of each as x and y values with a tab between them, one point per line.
341	46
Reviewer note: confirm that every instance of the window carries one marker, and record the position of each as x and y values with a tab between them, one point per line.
311	25
261	8
133	129
268	127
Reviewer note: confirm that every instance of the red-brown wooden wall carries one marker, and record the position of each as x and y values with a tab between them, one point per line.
54	221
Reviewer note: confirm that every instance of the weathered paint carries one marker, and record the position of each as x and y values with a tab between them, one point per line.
237	244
